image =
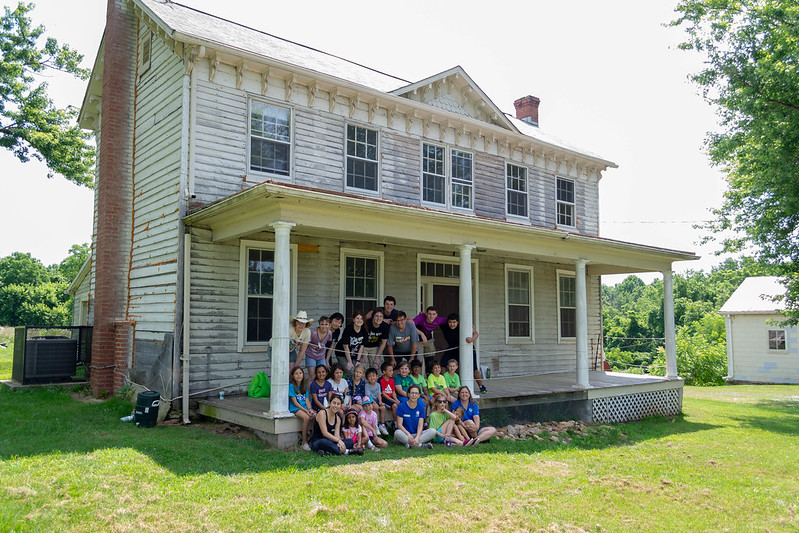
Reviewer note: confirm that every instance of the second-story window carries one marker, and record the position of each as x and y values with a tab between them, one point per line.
565	200
433	177
270	138
461	179
361	158
516	177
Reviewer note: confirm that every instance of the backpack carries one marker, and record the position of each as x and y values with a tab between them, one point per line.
260	387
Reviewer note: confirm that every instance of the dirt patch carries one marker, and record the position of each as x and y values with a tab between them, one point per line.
82	397
226	429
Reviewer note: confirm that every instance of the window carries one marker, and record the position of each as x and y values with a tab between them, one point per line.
435	172
260	285
517	190
433	177
145	53
270	138
361	158
439	270
519	291
461	179
565	201
776	339
567	305
362	280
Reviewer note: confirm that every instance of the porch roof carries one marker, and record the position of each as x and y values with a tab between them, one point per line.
323	213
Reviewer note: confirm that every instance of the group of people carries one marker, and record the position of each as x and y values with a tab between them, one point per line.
352	414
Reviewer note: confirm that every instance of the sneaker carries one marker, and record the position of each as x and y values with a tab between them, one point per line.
448	442
381	429
306	447
426	445
357	450
471	442
483	389
407	445
320	453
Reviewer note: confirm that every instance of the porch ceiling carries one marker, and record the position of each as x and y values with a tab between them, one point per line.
349	217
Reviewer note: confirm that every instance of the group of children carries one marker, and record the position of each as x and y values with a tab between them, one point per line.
371	408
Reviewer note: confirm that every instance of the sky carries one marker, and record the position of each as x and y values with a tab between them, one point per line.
609	76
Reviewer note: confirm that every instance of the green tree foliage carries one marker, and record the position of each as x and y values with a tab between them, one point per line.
634	326
32	294
751	49
30	123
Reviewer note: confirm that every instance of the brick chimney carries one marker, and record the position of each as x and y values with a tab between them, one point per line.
527	109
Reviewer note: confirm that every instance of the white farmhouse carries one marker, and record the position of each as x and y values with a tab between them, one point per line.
759	349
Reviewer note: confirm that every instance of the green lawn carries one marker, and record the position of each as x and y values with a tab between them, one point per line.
731	462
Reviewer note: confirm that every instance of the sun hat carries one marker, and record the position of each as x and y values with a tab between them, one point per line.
302	316
366	399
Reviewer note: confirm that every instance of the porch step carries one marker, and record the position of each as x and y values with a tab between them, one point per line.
251	413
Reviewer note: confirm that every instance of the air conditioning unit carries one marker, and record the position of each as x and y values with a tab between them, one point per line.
46	359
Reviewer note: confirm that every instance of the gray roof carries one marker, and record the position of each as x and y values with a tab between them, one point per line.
205	27
754	296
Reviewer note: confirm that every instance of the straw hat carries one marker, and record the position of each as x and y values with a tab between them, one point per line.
302	316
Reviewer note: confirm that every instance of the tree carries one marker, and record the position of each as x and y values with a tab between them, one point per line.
752	76
30	123
69	267
22	269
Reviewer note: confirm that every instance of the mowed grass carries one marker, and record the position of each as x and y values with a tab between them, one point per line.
730	463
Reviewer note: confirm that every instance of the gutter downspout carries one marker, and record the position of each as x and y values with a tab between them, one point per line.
186	323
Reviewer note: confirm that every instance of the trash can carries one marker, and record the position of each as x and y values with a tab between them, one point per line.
146	412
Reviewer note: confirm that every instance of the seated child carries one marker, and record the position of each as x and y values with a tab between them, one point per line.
373	390
353	430
436	383
368	418
403	381
460	426
443	422
453	380
357	386
297	404
387	392
339	384
320	389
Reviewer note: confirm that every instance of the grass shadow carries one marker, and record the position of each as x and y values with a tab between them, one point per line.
779	416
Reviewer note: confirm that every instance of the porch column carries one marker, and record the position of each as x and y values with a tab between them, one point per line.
582	324
668	325
281	311
465	313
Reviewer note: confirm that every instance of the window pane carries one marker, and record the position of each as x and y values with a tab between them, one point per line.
461	165
433	189
518	321
568	292
568	323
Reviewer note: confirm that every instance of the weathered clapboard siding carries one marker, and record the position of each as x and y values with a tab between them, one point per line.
489	185
400	167
541	202
588	210
157	160
318	149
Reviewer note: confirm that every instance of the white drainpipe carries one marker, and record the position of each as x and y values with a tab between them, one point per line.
186	323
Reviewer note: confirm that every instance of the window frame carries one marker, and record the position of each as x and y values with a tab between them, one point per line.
572	205
363	254
290	143
526	192
529	270
784	340
347	156
450	181
244	248
560	275
145	49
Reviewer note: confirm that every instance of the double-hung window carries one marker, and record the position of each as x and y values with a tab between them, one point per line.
519	291
270	138
565	202
361	158
516	178
776	339
436	173
567	305
361	279
260	290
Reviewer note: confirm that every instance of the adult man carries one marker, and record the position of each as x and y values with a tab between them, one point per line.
402	338
426	323
389	311
376	338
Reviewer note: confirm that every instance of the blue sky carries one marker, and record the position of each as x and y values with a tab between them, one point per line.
608	74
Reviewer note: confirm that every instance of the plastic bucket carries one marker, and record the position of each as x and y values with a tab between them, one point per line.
146	412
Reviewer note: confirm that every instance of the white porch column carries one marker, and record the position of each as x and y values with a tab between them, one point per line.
582	324
668	325
281	312
465	313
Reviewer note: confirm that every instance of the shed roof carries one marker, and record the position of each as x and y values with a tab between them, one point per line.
755	295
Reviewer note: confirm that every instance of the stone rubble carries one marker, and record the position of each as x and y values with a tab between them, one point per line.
554	431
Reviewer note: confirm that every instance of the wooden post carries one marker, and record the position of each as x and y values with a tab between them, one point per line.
465	314
668	325
281	310
582	324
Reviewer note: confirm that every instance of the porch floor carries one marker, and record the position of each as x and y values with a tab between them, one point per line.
613	397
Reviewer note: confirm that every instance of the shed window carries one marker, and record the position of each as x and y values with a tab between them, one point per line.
776	339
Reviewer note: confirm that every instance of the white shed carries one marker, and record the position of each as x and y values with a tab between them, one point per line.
759	349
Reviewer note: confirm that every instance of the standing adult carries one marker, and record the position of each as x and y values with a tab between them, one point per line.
403	338
471	416
326	437
410	422
389	311
426	323
451	331
376	338
336	320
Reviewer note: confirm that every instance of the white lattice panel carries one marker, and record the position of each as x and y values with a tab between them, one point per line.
636	406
